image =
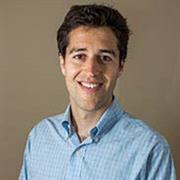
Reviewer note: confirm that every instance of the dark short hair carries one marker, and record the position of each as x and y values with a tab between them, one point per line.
94	16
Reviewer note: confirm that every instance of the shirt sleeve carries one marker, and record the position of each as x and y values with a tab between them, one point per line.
24	174
160	164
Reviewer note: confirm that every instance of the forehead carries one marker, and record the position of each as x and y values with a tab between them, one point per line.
97	37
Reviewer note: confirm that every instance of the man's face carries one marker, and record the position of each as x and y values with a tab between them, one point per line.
91	67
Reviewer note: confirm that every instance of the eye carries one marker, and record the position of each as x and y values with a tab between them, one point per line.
106	58
79	57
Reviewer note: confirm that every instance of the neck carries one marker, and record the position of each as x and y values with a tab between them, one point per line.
84	120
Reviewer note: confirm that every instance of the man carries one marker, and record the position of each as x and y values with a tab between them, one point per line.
94	139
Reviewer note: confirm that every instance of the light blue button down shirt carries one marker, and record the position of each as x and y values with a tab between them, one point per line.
119	148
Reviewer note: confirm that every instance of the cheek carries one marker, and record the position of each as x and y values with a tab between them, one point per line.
72	71
112	74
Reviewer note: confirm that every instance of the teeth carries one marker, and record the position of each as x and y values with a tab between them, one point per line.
89	85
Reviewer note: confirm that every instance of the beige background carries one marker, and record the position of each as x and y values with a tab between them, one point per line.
31	86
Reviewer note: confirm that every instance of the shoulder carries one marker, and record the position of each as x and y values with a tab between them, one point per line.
140	134
46	126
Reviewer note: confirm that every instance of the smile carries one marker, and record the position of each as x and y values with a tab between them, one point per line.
90	85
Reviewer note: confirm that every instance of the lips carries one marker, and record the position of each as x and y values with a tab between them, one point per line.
89	85
93	86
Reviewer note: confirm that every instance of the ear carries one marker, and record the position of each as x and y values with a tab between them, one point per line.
121	68
62	64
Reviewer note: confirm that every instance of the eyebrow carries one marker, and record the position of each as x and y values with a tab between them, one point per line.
112	52
77	50
109	51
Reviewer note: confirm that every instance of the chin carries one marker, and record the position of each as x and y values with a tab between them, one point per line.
88	107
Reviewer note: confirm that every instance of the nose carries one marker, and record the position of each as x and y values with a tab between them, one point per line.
92	67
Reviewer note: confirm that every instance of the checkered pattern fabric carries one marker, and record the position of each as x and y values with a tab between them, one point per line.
119	147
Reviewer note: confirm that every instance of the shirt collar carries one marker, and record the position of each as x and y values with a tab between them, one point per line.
104	125
66	123
108	119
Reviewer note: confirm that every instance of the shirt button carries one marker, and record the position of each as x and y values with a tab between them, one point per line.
96	139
